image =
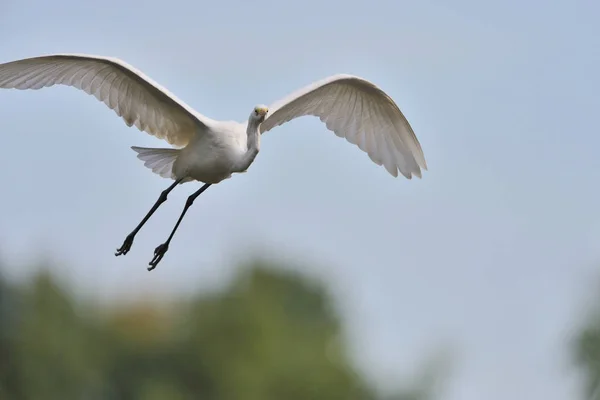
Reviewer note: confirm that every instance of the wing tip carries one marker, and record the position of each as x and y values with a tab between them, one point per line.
408	174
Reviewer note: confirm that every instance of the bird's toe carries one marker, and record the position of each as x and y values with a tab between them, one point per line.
126	246
159	253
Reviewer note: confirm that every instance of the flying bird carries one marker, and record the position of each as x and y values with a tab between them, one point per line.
209	151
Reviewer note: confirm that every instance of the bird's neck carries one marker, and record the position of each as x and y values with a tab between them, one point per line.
252	143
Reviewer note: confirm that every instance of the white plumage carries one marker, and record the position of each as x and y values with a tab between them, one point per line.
361	112
209	151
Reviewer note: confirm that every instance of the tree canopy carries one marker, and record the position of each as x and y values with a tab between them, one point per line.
269	335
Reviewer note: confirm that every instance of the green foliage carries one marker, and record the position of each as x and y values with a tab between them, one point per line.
587	354
270	335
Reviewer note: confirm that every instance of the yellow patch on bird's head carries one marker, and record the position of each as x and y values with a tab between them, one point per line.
261	110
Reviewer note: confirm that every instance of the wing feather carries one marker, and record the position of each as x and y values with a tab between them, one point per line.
358	110
128	92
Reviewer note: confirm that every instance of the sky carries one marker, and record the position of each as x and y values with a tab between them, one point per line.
493	251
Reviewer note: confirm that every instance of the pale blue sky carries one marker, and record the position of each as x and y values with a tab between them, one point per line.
491	250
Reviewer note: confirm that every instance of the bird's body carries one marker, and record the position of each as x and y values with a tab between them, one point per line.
210	151
212	158
209	157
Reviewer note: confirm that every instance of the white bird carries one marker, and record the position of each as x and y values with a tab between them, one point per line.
210	151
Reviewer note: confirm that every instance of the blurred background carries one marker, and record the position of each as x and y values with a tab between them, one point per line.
316	275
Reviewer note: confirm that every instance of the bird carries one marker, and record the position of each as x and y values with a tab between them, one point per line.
209	151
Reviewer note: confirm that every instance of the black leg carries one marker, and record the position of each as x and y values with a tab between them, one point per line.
124	249
160	251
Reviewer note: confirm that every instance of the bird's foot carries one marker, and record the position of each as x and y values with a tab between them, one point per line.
124	249
159	253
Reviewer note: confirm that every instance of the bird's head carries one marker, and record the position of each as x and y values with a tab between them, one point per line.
259	113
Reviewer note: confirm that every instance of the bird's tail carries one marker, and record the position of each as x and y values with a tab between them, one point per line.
160	161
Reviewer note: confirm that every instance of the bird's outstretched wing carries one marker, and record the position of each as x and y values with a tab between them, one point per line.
131	94
362	113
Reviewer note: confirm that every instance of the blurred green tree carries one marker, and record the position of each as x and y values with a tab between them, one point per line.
269	335
586	350
9	309
54	352
272	336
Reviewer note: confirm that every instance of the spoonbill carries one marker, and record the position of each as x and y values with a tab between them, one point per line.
208	150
